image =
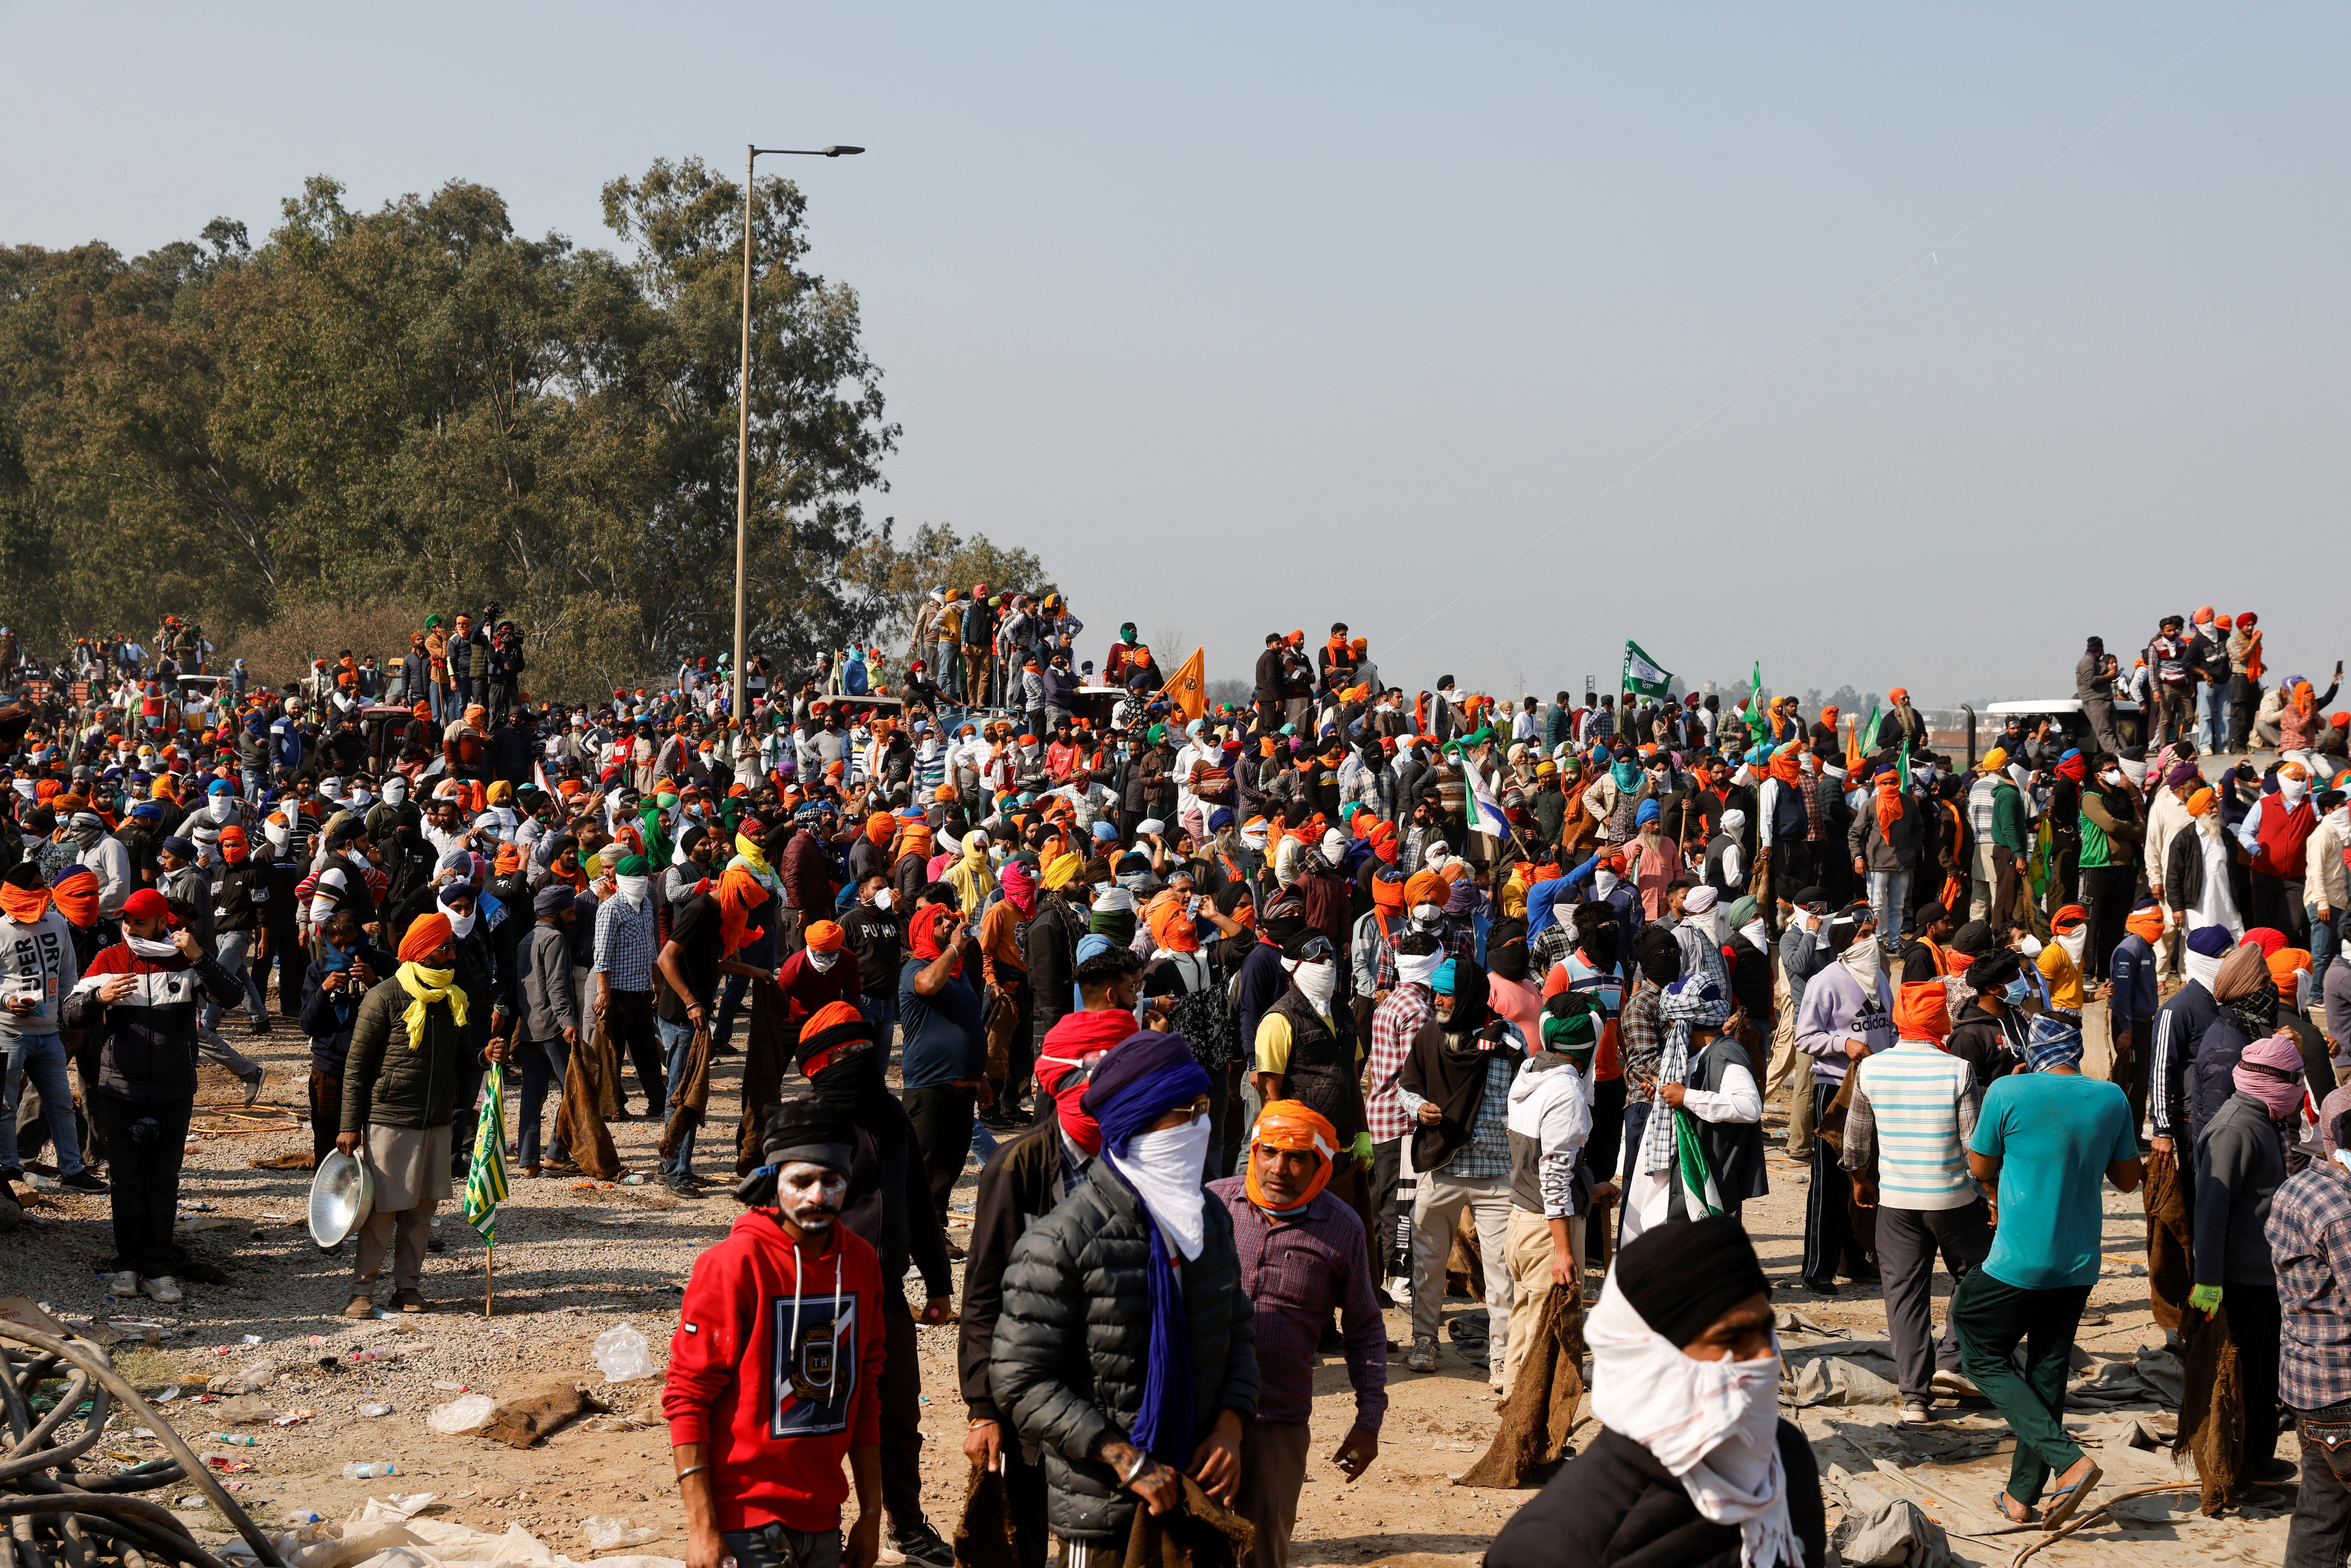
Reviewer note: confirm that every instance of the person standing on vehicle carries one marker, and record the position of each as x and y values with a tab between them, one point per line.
2093	687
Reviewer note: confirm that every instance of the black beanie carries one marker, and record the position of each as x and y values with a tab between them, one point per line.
1684	1274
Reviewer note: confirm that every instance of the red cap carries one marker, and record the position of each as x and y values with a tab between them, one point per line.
146	905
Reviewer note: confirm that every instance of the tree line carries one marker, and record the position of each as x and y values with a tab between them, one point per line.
419	407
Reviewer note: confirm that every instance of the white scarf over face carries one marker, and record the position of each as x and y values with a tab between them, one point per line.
1715	1425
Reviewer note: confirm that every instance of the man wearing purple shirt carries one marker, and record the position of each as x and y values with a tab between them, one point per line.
1302	1252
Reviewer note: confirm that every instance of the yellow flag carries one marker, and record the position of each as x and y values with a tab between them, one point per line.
1186	690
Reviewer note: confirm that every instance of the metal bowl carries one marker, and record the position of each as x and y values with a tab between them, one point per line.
342	1195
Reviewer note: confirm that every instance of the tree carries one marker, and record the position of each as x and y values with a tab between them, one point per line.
418	406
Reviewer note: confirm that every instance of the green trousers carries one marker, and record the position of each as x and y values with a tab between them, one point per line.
1993	1318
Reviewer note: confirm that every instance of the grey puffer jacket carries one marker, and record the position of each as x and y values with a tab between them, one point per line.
1071	1343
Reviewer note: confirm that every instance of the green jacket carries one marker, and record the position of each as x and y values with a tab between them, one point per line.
2008	818
385	1083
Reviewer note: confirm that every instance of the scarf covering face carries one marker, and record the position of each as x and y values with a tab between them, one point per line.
1070	1048
25	906
741	894
425	986
1712	1423
2271	1072
1889	802
75	893
1019	884
1292	1124
1147	1076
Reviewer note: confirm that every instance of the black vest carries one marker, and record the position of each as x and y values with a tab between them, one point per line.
1714	877
1322	1064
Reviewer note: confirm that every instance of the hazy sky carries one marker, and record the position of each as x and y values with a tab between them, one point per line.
1251	318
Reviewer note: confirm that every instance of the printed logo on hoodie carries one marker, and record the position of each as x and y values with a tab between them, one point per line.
813	1378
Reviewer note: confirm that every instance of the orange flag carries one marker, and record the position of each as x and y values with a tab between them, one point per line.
1852	749
1186	690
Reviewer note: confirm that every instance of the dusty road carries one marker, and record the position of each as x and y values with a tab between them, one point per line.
572	1264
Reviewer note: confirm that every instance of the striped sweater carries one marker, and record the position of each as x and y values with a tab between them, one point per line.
1914	1109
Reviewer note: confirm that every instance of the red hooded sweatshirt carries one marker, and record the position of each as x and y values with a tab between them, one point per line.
776	1365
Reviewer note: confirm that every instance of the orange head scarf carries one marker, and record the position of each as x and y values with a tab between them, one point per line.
1294	1124
1171	923
233	846
25	906
76	893
2147	924
1919	1012
1783	764
879	827
1889	800
739	893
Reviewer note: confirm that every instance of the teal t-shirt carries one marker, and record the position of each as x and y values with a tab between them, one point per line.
2055	1134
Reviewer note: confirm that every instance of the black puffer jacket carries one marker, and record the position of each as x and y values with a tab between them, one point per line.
1072	1342
1615	1504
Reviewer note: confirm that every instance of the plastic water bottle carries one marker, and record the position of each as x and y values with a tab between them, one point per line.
359	1472
240	1442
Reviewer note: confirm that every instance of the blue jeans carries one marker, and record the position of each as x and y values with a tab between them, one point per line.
678	1046
232	948
434	698
2212	704
2323	943
41	1058
1889	900
882	1015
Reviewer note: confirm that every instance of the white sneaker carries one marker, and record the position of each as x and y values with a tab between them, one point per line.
123	1285
164	1290
1956	1383
1915	1413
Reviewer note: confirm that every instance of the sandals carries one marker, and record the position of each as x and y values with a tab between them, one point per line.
2063	1500
1999	1502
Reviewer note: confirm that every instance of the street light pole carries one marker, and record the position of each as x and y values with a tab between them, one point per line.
740	710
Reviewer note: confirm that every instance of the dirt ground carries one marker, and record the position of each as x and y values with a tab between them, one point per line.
574	1263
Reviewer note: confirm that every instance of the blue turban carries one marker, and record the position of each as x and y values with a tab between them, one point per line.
1220	819
1092	945
1447	977
1649	812
1150	1074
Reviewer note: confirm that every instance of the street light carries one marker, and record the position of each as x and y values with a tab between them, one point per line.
742	397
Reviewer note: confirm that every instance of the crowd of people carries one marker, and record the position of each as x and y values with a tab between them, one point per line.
1250	1013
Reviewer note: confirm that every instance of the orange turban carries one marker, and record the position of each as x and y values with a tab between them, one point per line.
427	934
1919	1012
1425	887
944	793
880	826
2067	918
1387	893
2147	924
1294	1124
2282	965
825	937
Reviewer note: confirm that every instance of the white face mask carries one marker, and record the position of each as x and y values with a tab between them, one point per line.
463	925
219	807
882	899
634	889
1318	982
820	962
1863	959
1426	914
1164	1168
395	792
1603	883
2291	791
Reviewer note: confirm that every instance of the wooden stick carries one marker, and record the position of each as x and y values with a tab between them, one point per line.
490	1283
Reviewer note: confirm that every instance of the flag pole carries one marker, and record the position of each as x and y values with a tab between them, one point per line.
490	1284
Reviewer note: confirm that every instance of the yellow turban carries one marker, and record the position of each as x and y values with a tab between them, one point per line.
1995	759
1062	872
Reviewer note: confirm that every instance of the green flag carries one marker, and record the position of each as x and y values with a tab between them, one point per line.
485	1181
1643	674
1696	1192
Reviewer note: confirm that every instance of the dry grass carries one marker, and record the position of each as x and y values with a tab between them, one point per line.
282	651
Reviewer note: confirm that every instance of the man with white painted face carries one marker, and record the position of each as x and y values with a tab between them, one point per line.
775	1369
